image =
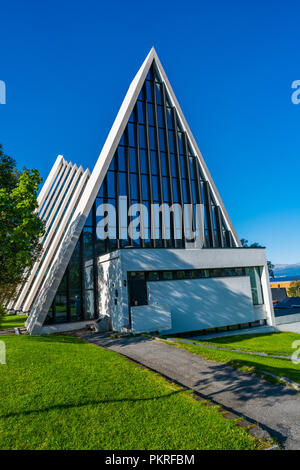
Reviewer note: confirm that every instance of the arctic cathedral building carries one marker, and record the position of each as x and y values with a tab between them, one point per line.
144	242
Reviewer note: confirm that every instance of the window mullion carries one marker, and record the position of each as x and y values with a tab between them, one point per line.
164	241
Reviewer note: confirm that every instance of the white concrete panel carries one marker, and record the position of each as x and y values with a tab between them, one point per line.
268	303
50	178
50	240
53	190
55	234
45	290
110	295
60	184
260	312
204	303
61	194
147	318
43	195
160	259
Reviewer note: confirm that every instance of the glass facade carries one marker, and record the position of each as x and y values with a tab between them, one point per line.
154	164
76	297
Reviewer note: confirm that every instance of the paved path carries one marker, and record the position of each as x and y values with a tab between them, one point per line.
292	327
276	408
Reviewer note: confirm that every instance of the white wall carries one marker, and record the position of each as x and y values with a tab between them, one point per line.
203	303
110	281
260	312
160	259
147	318
151	259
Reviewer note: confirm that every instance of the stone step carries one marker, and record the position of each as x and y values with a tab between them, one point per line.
8	331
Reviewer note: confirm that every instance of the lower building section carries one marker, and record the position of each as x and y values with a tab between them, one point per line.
169	291
196	304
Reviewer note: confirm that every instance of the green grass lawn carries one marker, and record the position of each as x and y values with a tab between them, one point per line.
247	362
271	343
12	321
58	392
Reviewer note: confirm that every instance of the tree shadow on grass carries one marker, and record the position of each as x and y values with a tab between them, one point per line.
63	339
93	402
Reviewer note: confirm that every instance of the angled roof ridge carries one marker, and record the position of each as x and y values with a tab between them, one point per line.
115	134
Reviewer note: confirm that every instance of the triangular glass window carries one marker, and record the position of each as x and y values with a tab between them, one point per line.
154	164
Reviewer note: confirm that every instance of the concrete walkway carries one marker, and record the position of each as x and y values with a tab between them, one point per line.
276	408
290	327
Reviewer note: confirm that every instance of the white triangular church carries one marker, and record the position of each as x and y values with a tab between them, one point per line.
143	243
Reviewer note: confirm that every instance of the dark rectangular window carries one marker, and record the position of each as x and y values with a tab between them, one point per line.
171	141
167	275
143	160
134	186
149	93
162	145
145	187
160	117
142	136
140	110
122	184
170	118
152	138
164	164
175	189
153	276
174	168
154	169
131	135
155	188
121	159
166	189
132	160
150	109
111	183
158	93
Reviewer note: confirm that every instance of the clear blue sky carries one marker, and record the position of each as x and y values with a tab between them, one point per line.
67	66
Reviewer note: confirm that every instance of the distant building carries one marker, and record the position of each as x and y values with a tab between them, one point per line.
278	294
284	284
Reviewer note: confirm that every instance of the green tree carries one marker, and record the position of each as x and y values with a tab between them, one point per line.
294	289
271	269
271	266
20	225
